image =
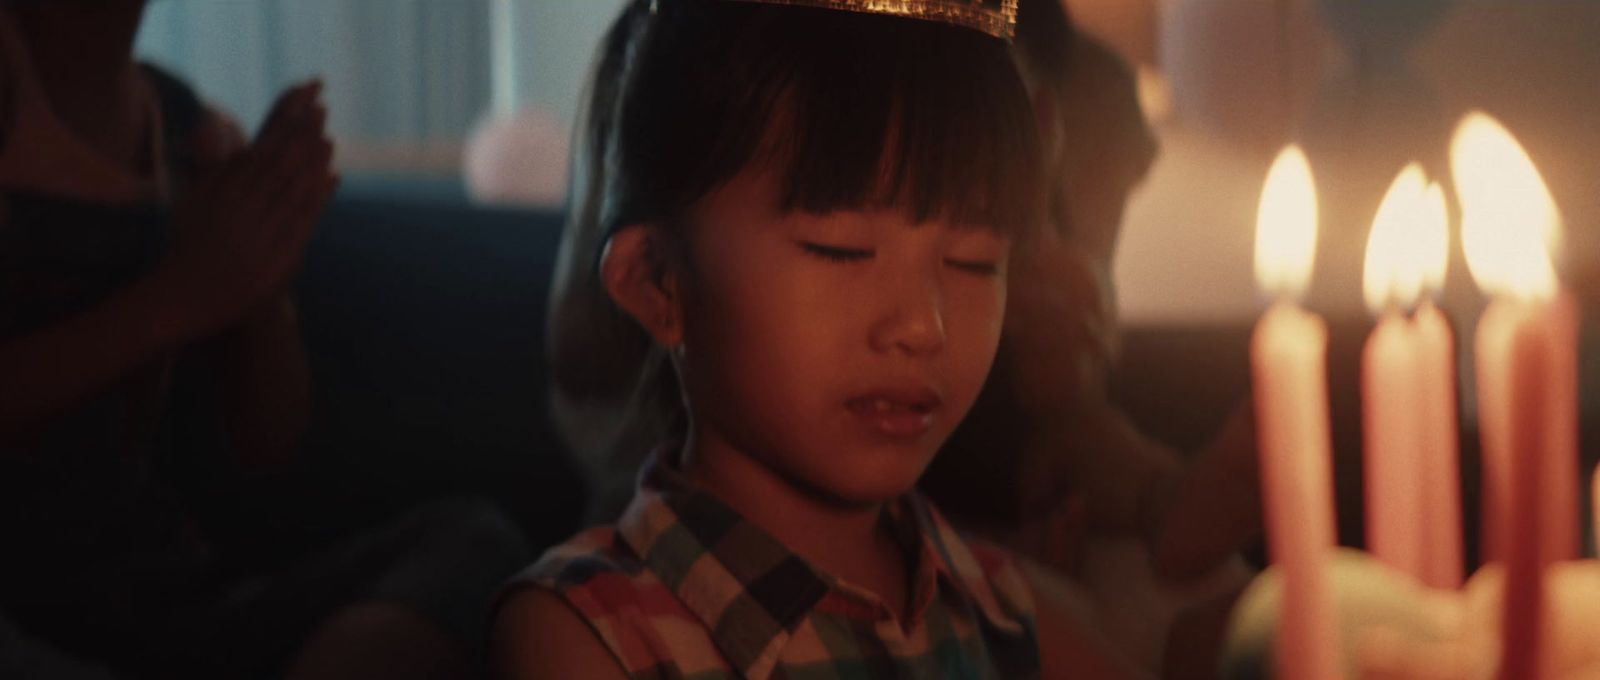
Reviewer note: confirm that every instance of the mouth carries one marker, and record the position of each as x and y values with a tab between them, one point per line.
896	413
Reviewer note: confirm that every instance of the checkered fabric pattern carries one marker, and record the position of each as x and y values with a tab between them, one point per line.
683	587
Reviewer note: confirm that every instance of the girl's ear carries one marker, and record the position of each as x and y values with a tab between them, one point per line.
637	273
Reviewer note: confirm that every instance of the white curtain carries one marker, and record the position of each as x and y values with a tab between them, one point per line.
407	80
403	76
553	45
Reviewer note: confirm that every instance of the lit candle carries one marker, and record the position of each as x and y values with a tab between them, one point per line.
1408	389
1288	354
1527	377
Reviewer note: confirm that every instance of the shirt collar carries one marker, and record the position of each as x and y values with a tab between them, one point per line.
750	591
953	561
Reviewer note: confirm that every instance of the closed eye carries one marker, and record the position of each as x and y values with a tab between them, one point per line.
979	267
836	253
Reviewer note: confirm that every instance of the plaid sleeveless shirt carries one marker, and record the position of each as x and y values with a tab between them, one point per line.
683	587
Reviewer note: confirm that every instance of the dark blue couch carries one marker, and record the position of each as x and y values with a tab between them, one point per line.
423	320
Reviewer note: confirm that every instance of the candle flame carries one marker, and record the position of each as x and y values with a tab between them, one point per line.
1435	226
1509	222
1408	250
1286	225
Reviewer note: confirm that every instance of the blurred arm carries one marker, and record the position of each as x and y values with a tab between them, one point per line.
1068	647
260	362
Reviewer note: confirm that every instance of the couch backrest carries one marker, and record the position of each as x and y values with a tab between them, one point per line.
424	325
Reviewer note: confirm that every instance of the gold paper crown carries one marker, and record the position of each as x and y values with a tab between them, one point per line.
995	17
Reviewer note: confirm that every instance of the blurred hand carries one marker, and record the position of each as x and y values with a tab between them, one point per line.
240	232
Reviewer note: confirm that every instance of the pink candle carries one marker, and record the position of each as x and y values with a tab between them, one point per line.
1408	390
1441	451
1523	629
1527	379
1391	401
1497	331
1493	344
1528	416
1288	355
1413	471
1288	352
1509	226
1565	540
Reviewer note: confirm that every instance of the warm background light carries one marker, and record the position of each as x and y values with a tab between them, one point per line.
1400	246
1286	226
1509	221
1242	74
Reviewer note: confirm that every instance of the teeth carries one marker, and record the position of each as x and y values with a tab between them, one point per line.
881	405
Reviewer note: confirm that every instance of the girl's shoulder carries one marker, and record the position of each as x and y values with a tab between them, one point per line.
593	553
635	617
551	619
600	576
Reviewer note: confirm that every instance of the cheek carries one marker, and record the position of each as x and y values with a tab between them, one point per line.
755	299
974	316
982	304
763	324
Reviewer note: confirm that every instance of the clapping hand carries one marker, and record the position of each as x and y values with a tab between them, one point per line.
240	231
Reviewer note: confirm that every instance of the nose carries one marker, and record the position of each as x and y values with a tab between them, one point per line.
913	319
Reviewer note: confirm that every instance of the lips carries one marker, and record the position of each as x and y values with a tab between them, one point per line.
896	413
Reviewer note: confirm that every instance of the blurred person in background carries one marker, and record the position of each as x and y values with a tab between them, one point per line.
147	250
1046	464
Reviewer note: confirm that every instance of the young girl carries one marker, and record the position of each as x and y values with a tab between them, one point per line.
810	211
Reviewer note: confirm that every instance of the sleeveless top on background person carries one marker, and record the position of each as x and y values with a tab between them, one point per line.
78	496
682	586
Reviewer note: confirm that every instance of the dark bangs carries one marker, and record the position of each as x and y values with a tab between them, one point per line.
854	111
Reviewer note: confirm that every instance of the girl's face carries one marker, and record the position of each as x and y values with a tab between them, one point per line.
838	351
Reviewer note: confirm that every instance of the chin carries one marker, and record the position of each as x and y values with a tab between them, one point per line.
853	473
854	486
